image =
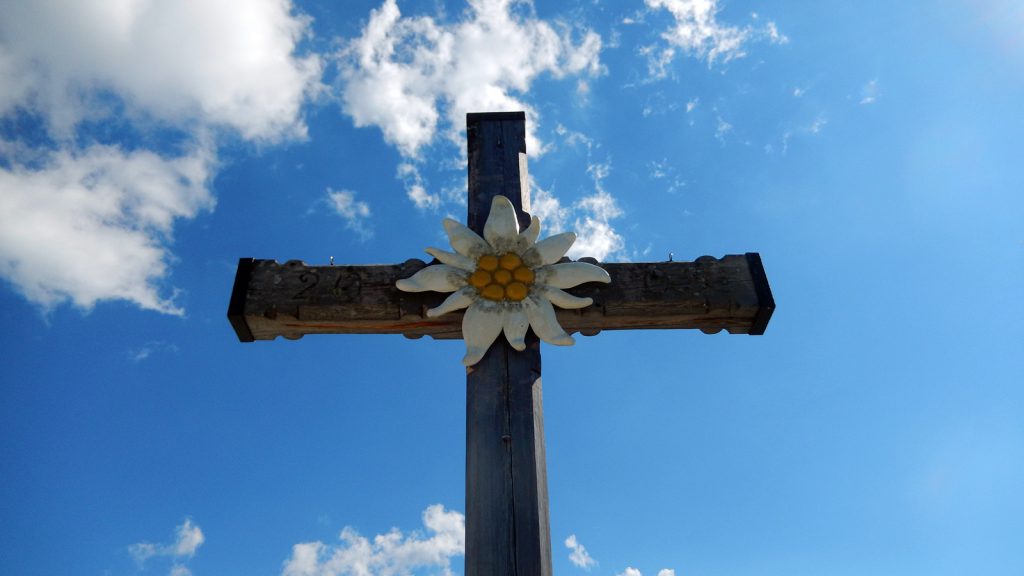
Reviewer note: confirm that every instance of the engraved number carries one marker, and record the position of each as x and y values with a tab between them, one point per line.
309	281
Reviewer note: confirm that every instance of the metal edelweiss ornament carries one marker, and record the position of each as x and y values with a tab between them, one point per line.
507	280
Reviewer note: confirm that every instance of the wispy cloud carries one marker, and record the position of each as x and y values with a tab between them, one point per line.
390	554
697	32
630	571
415	187
722	129
666	171
355	213
870	92
596	237
819	122
578	553
188	538
149	348
590	217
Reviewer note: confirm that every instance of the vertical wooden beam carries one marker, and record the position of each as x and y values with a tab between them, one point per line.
507	526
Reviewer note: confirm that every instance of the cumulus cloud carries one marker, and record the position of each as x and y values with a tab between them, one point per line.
408	75
697	32
354	212
96	224
666	572
578	553
90	223
188	538
238	68
390	554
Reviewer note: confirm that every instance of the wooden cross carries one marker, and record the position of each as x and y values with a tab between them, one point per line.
507	530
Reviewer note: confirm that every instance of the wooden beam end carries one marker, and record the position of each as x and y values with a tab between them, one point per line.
236	307
765	301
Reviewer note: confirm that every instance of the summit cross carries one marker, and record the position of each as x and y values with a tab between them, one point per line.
507	527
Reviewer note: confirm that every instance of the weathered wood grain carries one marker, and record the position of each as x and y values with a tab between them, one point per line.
507	529
294	299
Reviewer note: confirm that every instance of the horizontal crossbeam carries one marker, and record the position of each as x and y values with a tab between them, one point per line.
293	299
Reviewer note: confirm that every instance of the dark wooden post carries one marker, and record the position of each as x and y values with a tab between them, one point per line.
507	527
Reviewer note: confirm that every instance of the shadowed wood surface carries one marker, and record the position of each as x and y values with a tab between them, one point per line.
294	299
507	529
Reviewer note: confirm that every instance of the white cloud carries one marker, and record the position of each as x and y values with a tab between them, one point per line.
722	129
578	554
415	187
697	32
237	68
189	537
590	216
149	348
547	207
88	224
630	571
95	225
771	32
404	74
818	124
870	92
390	554
666	572
596	237
143	551
354	212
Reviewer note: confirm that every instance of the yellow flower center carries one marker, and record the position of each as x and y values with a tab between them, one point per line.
501	277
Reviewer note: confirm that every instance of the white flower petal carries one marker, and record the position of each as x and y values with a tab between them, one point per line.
464	240
516	324
452	259
544	323
571	274
549	250
439	278
455	301
563	299
501	226
527	237
480	327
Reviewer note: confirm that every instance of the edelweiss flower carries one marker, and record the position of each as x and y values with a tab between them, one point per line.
507	280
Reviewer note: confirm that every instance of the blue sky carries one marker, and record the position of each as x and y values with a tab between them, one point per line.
870	151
